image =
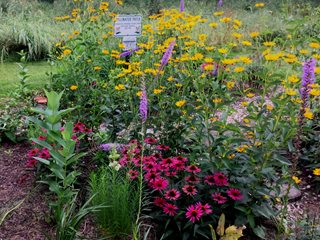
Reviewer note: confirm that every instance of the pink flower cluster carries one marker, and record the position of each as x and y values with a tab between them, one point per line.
174	179
36	152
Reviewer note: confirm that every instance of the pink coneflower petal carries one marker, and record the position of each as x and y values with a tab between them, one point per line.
235	194
192	179
159	201
133	174
193	169
217	197
170	209
172	194
189	190
150	140
160	184
194	213
220	179
206	208
209	180
162	147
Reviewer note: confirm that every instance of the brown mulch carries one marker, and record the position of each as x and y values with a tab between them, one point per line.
29	221
18	183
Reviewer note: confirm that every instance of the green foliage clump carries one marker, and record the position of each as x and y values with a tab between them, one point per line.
113	189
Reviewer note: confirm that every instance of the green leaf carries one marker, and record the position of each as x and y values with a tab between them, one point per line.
11	136
42	143
59	159
53	99
260	232
57	170
45	161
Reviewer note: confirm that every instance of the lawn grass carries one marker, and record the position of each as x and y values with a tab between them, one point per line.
9	79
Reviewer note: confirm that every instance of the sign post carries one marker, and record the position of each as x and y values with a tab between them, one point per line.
129	28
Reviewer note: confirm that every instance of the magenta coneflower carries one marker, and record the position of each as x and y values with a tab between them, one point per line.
192	179
209	180
31	163
180	158
206	208
79	127
167	161
193	169
219	198
159	201
235	194
160	184
171	174
172	194
162	147
178	165
220	179
44	154
133	174
194	213
150	166
150	140
170	209
33	152
151	176
189	190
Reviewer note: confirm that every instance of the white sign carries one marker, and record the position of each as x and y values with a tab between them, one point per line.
129	43
127	25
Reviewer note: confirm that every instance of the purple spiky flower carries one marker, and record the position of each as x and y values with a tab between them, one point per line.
143	108
220	3
181	5
129	52
167	55
308	78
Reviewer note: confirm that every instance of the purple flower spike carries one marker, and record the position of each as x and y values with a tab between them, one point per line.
167	55
308	78
308	75
181	5
220	3
143	108
129	52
